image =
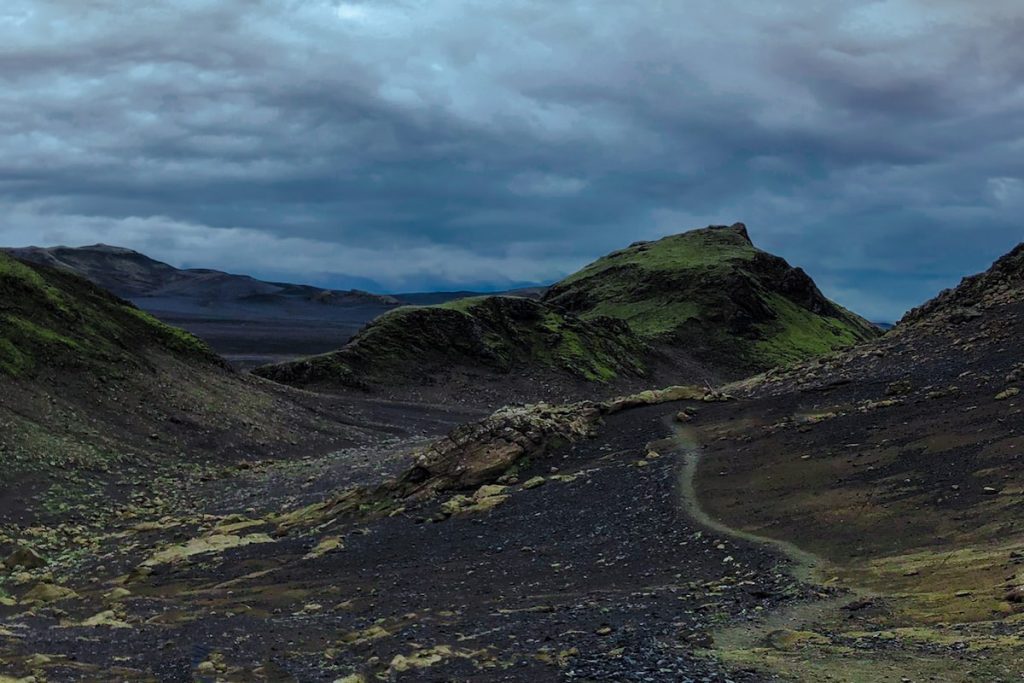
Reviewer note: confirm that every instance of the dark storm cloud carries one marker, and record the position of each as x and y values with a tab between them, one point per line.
411	144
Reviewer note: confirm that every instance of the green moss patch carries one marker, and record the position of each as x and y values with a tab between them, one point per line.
53	319
715	248
797	334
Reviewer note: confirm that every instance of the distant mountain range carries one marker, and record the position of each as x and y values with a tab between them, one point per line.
132	275
247	320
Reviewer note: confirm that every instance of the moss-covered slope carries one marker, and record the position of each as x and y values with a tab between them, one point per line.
52	320
495	334
89	382
712	293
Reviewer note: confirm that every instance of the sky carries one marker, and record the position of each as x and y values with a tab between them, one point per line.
402	145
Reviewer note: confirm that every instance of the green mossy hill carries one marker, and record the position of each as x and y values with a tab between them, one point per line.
93	389
713	294
491	333
54	320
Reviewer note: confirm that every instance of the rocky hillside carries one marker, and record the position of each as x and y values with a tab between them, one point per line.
899	463
998	285
55	322
699	306
90	382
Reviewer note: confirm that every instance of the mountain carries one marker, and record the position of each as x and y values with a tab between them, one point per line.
698	306
713	293
248	321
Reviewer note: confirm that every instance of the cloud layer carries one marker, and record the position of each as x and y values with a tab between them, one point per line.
407	144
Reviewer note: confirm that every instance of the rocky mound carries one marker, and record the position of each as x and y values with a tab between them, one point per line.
700	306
1000	284
479	457
712	293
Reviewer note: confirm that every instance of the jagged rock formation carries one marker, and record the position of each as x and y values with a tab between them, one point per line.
998	285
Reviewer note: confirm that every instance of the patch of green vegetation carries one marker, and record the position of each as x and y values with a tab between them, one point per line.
465	305
174	337
708	248
650	318
41	335
12	361
798	334
15	274
24	343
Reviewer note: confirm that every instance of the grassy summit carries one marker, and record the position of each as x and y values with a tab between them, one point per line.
705	304
713	293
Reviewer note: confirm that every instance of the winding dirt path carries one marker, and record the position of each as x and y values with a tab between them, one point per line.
760	642
804	566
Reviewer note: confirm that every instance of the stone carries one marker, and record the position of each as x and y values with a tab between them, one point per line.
488	491
49	592
208	544
108	619
325	546
118	594
26	557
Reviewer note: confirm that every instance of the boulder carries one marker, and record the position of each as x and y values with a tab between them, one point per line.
26	557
